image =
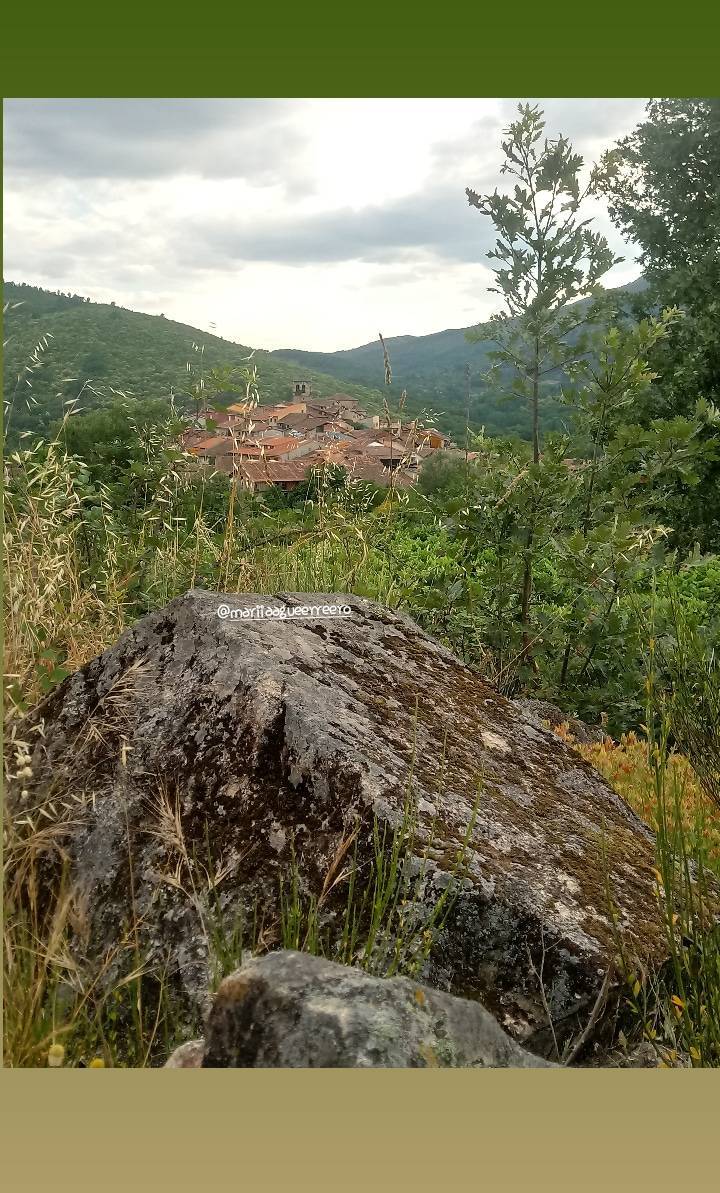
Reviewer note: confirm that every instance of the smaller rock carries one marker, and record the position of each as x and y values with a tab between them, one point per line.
293	1010
542	713
643	1056
187	1056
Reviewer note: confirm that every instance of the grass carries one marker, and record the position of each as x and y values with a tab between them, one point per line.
62	1008
53	998
628	768
54	619
678	1010
388	925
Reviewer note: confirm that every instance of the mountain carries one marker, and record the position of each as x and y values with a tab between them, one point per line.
146	356
432	368
116	349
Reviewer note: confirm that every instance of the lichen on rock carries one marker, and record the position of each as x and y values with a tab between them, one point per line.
260	742
292	1010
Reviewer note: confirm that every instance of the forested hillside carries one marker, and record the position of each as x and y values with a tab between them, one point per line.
434	371
93	348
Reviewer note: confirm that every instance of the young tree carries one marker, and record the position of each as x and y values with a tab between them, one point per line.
549	257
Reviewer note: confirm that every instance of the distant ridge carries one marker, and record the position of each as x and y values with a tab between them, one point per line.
146	356
433	370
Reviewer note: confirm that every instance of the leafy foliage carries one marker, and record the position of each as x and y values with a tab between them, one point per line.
663	187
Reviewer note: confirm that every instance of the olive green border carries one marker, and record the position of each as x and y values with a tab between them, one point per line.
378	47
504	1131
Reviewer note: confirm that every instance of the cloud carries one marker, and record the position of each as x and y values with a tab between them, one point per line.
152	138
586	122
591	124
229	210
437	222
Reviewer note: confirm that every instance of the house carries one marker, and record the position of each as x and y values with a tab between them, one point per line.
431	436
243	408
380	422
267	446
259	476
344	402
312	425
362	468
217	422
391	455
191	437
340	405
264	416
286	447
292	407
211	447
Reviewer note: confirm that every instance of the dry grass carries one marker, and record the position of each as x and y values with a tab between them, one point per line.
626	766
676	1011
55	619
52	995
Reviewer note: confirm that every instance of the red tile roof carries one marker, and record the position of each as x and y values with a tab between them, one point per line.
273	471
280	443
215	444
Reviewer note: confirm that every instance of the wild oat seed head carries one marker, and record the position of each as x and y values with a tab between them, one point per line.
56	1056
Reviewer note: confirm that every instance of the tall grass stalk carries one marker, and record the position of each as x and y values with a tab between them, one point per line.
677	1009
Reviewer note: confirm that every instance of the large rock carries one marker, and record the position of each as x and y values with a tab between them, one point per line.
290	1010
240	745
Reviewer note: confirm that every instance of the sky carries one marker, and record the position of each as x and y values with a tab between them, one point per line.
302	223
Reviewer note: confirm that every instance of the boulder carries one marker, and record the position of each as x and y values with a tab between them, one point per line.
220	755
290	1010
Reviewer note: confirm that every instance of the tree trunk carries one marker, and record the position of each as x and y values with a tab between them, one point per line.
536	403
527	584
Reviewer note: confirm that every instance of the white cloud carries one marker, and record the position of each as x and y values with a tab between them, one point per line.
307	223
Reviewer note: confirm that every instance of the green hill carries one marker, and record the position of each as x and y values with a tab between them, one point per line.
433	369
121	350
146	356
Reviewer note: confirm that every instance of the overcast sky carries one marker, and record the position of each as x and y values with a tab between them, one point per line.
284	223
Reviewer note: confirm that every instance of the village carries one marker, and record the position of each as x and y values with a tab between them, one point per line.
277	446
